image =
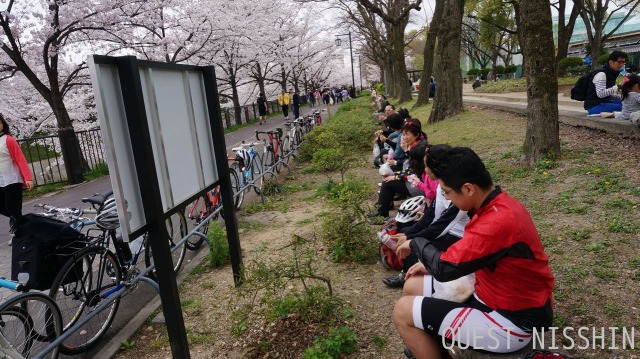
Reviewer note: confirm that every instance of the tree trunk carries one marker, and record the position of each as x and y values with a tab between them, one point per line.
401	80
69	145
565	31
429	54
448	100
542	139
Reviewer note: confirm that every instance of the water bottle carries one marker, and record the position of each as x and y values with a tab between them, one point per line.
388	241
412	178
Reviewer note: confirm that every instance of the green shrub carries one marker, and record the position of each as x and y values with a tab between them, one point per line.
348	237
364	93
570	62
218	246
485	71
340	341
313	305
499	69
379	87
603	59
510	69
472	72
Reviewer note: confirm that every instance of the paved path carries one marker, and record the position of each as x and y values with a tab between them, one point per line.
570	112
134	309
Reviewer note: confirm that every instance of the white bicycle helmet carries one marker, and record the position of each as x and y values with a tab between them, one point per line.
408	211
107	217
245	156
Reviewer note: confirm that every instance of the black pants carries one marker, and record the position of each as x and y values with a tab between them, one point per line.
387	191
11	202
296	111
285	110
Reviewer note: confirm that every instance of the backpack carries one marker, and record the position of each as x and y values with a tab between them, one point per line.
544	354
387	255
41	247
581	88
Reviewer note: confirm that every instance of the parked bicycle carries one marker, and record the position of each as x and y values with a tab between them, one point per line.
29	323
273	150
101	268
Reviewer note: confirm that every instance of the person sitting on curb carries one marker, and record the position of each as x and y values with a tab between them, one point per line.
631	99
514	283
408	183
442	223
411	135
603	92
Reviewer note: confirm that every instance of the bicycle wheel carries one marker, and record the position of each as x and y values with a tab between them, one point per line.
78	290
268	166
28	323
255	171
177	229
196	212
287	149
235	173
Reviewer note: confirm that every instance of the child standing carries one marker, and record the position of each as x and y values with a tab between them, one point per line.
631	99
14	175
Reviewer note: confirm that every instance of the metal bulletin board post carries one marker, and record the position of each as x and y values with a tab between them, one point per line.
153	116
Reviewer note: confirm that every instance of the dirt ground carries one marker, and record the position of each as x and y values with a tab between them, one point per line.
207	296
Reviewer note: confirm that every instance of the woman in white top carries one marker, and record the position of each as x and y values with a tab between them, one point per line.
14	174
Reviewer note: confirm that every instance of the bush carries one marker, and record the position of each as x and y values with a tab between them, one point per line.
340	341
603	59
472	72
565	63
485	71
510	69
499	69
576	70
379	87
364	93
218	246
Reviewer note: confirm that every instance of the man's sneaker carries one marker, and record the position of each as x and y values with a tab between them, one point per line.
397	281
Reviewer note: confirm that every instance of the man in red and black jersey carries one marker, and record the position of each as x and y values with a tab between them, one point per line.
513	289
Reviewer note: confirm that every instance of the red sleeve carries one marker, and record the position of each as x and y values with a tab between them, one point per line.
18	158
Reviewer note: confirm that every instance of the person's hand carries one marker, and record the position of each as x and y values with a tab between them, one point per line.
382	138
29	185
392	162
404	249
389	178
416	269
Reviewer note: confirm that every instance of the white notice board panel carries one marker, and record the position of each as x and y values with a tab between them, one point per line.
180	130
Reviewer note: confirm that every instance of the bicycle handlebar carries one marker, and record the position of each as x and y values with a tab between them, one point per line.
63	211
277	132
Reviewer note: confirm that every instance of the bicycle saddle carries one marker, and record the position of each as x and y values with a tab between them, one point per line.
98	199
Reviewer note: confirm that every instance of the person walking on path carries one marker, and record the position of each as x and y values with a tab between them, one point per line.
262	108
312	99
284	100
14	175
296	104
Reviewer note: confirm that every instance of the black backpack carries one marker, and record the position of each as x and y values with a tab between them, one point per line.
41	247
579	91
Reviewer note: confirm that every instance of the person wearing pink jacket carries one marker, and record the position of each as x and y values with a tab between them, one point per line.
14	174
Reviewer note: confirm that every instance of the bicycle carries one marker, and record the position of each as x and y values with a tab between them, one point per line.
176	228
318	117
247	163
95	272
293	138
273	150
29	323
199	210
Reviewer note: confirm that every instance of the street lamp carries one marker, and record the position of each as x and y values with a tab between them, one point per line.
360	69
338	43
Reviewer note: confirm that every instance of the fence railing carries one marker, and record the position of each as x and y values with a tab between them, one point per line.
44	155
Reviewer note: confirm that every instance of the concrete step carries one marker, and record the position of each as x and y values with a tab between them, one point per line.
522	97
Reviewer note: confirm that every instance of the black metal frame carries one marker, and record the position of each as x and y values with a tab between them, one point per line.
138	124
